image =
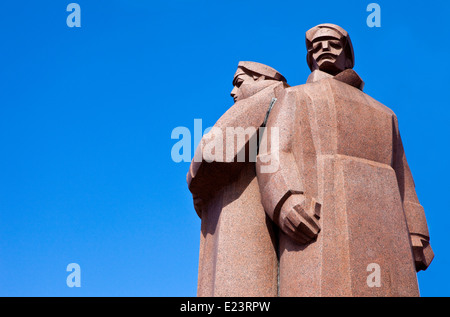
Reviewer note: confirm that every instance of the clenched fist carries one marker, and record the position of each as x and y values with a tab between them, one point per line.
423	254
299	218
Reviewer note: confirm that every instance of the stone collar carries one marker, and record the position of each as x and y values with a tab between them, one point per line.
348	76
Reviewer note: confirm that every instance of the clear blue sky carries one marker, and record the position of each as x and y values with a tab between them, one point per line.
86	117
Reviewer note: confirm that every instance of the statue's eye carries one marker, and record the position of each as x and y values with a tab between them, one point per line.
317	46
239	83
335	44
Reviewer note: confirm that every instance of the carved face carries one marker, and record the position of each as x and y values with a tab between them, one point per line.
328	54
238	92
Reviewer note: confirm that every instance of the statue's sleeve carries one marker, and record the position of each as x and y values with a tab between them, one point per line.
276	166
229	146
414	212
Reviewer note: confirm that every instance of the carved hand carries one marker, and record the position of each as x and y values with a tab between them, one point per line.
299	218
423	254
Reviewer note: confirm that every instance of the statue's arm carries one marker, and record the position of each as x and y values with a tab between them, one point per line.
280	182
209	170
414	212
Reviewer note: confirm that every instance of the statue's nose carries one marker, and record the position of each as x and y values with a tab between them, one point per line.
233	92
325	46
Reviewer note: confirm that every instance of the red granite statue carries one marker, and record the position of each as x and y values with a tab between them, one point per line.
342	199
237	250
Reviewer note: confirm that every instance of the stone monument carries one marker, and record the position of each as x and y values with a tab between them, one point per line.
339	203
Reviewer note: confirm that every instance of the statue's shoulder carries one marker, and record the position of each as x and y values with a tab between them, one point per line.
327	89
378	105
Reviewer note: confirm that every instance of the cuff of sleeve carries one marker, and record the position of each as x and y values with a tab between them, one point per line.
275	193
415	218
